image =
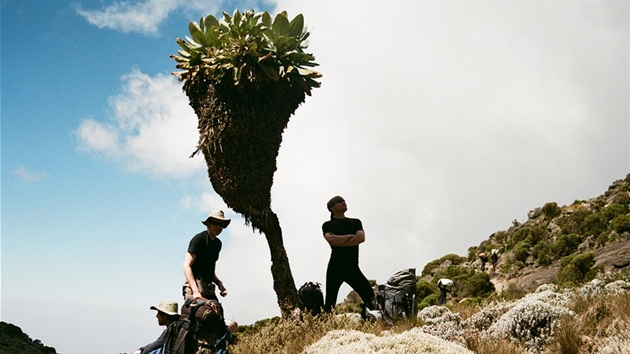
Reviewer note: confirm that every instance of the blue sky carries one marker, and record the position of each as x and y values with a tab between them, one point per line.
439	121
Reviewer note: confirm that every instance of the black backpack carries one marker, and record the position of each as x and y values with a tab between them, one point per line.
397	299
201	322
312	297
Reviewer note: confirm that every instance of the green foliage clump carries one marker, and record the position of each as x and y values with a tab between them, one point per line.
472	253
478	285
551	210
538	233
500	237
574	223
565	245
433	265
429	300
520	235
577	269
621	224
542	253
248	47
614	210
424	289
521	251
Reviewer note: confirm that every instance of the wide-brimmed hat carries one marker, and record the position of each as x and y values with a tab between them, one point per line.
167	306
217	215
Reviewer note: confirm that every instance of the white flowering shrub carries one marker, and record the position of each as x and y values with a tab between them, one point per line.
441	322
409	342
618	287
594	288
483	319
549	296
432	313
531	322
614	345
546	287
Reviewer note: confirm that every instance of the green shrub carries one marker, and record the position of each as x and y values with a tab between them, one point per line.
542	253
594	224
621	224
429	300
574	223
614	210
478	285
424	289
521	251
500	237
538	233
622	198
520	235
551	210
577	269
565	245
433	265
472	253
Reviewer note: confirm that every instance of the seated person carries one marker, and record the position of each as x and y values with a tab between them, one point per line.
166	314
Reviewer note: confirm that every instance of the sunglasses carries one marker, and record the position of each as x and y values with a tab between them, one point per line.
215	223
339	201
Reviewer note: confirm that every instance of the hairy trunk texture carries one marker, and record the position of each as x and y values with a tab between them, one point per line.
240	131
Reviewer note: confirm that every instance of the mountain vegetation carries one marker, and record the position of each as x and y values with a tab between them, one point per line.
13	340
560	283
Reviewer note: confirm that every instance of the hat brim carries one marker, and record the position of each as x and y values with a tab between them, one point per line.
166	312
225	222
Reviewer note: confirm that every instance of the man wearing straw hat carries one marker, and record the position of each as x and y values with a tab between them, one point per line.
166	314
200	261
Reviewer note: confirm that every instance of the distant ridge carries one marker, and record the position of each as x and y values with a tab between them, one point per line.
14	341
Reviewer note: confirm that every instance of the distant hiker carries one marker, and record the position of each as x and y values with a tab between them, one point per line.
166	314
445	286
494	258
344	236
201	258
483	257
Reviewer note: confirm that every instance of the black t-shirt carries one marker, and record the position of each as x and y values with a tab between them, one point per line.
207	254
345	226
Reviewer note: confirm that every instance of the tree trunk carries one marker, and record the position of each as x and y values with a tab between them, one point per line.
240	134
283	283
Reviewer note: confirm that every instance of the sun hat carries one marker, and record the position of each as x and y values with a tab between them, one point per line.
217	215
334	200
167	306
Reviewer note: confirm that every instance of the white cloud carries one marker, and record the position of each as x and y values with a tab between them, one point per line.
440	123
144	17
153	129
27	176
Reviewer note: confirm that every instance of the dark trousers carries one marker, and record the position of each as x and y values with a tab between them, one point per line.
352	275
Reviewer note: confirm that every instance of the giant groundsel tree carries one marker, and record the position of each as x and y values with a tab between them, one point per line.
244	76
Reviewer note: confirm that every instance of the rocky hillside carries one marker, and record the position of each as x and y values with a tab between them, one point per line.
13	341
566	246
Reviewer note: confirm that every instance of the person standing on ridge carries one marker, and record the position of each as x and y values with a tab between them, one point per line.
344	235
201	258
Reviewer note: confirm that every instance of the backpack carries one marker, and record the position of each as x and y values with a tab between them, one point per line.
397	299
200	323
312	297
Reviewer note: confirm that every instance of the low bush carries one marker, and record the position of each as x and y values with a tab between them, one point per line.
577	269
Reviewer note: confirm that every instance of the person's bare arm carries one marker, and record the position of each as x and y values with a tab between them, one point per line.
345	240
188	273
222	289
